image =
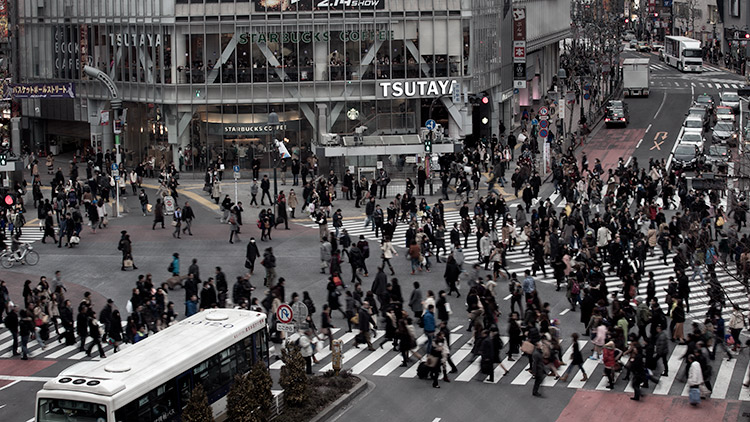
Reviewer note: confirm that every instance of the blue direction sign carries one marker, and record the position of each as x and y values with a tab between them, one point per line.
114	166
543	133
586	87
534	122
586	96
236	168
430	124
543	124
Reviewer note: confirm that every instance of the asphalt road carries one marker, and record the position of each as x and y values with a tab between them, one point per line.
95	265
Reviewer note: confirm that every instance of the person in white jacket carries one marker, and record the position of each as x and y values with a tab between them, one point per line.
388	252
695	374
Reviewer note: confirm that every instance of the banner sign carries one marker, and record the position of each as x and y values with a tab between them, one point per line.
316	5
4	25
43	90
519	46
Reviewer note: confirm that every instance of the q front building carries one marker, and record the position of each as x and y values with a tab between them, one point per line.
200	77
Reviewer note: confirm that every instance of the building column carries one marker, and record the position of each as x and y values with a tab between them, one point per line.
100	133
320	60
178	121
179	48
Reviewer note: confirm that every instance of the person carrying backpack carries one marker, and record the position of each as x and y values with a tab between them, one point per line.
516	291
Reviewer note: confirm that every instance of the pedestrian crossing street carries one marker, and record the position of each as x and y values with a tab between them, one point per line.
706	67
55	347
671	83
519	260
727	377
29	234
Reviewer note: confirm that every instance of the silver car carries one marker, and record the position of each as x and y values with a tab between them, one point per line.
724	133
730	99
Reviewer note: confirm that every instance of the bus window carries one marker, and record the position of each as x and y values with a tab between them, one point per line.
184	388
262	345
54	410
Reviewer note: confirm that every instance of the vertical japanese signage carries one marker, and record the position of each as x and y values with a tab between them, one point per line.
519	47
83	42
4	20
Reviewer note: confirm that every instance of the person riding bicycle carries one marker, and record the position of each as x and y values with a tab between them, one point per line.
463	186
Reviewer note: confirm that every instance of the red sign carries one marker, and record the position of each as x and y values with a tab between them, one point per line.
519	24
519	52
284	313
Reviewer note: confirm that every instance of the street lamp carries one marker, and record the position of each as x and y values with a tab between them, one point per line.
116	103
273	121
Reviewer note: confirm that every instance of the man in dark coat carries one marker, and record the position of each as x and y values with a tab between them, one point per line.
380	288
11	323
538	369
251	254
487	353
66	315
83	325
208	295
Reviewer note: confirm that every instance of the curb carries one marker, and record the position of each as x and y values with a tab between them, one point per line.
342	401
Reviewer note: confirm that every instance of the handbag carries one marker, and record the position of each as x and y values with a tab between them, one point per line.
354	319
174	223
75	239
149	207
527	347
127	263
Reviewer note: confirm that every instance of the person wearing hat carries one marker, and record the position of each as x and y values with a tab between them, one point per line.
610	356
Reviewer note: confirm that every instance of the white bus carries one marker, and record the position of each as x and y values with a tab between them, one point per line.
683	53
152	380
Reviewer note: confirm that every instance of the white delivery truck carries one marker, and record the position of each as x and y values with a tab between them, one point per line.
635	77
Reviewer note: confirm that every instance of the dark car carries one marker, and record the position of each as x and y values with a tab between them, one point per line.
707	101
612	104
686	156
617	116
724	133
717	156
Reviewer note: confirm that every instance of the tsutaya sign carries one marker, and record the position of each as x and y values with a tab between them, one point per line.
431	88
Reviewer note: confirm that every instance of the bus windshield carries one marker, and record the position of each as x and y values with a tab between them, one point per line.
54	410
692	53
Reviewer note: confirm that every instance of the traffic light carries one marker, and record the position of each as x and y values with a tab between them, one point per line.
3	159
9	200
656	14
747	36
428	143
482	116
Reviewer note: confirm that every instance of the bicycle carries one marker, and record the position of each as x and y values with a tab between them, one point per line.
463	197
25	255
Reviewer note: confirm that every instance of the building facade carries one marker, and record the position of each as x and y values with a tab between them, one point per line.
204	75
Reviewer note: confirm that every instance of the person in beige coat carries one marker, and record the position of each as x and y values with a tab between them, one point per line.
292	202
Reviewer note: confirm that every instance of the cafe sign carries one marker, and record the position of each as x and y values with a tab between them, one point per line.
310	36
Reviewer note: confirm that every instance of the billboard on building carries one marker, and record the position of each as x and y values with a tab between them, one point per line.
316	5
4	25
41	90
